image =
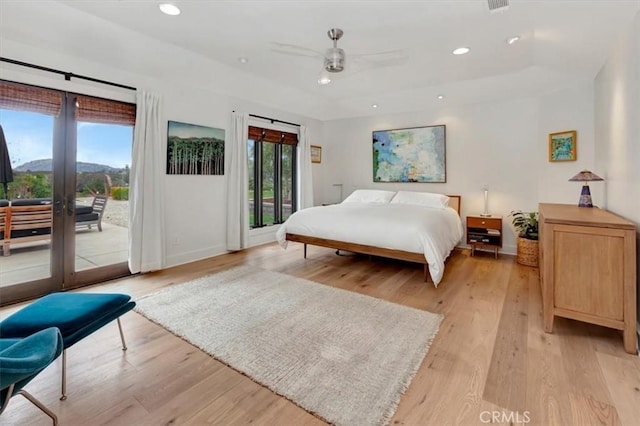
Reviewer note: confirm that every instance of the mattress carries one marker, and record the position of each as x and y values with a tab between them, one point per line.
433	232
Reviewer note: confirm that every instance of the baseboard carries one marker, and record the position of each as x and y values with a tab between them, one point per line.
192	256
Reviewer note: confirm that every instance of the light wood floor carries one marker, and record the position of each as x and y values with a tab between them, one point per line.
490	357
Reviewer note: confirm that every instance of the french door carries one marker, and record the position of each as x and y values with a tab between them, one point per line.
71	173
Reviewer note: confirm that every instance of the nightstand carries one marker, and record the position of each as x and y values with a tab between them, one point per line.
484	231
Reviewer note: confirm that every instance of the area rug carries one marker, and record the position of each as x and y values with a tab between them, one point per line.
345	357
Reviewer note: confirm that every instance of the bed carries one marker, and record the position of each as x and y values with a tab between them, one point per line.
411	226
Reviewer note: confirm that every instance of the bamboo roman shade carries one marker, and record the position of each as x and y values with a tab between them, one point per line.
23	97
97	110
30	98
274	136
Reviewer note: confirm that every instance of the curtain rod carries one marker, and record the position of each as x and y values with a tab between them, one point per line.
67	75
272	120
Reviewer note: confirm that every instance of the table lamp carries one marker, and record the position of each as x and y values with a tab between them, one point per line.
585	176
486	203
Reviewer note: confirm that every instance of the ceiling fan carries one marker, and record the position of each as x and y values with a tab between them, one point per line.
334	59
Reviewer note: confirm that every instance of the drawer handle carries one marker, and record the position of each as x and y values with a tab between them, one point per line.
483	222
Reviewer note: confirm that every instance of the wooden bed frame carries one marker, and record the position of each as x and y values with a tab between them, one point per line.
454	202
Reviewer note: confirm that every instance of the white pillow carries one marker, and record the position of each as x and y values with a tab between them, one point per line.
372	196
426	199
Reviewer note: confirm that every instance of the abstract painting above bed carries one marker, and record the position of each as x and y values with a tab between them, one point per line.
410	155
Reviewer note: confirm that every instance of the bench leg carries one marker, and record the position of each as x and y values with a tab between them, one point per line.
124	345
64	375
64	362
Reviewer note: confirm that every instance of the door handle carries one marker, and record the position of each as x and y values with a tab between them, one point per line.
71	206
57	206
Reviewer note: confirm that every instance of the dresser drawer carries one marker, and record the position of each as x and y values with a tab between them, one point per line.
484	222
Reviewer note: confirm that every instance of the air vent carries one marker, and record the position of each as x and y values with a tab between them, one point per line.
498	5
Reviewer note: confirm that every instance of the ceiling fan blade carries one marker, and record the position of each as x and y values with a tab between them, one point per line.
294	50
398	54
382	59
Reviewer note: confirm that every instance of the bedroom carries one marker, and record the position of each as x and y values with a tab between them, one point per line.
506	129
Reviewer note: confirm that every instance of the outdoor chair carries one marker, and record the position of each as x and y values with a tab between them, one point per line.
5	213
76	315
91	215
23	359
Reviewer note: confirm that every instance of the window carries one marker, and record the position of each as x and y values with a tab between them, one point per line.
272	176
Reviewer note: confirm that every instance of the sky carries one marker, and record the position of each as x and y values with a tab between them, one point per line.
29	137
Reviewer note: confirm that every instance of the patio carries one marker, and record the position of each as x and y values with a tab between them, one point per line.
31	261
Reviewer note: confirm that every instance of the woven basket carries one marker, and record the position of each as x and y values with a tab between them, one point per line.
527	252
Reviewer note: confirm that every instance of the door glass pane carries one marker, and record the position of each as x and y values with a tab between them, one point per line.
252	183
102	194
29	140
268	178
287	180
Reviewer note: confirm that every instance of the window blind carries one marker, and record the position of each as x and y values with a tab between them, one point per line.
274	136
97	110
23	97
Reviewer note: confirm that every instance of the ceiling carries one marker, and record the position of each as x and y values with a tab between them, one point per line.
561	43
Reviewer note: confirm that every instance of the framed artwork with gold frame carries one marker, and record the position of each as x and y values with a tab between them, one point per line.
563	146
316	154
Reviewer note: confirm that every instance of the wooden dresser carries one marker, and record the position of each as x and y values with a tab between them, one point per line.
588	268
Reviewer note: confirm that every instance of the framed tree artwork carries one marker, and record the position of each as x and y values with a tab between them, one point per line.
410	155
563	146
194	150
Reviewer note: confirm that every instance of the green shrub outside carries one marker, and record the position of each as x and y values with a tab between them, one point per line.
120	193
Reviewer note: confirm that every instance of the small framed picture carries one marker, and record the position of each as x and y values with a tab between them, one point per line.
563	146
316	154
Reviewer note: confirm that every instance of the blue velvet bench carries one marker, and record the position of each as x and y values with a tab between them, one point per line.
76	315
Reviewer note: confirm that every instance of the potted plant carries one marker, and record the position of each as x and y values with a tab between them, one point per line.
526	225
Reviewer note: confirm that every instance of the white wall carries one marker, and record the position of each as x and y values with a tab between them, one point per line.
502	145
617	127
570	109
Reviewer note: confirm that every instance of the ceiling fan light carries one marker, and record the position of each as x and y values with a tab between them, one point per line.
334	59
324	78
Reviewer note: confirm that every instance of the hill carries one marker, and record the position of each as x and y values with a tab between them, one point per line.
45	165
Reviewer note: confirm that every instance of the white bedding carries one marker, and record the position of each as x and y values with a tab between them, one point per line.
433	232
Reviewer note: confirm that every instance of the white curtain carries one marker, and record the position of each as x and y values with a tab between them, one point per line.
305	178
146	186
237	183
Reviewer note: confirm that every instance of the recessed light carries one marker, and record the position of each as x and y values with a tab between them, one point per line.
243	60
513	39
169	9
440	96
374	105
461	51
